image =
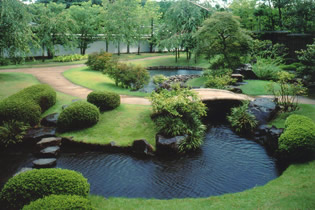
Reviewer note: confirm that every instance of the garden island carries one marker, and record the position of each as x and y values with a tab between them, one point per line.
170	104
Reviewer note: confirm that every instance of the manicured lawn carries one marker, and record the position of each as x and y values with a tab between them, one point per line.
196	82
122	125
256	87
294	189
305	109
133	56
38	64
96	80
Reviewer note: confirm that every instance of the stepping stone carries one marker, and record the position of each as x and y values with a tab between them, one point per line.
39	133
239	77
50	120
50	141
50	152
45	163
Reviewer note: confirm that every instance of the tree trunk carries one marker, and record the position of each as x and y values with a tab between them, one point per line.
139	47
175	55
151	44
119	47
280	16
195	57
178	53
43	53
128	48
106	43
187	54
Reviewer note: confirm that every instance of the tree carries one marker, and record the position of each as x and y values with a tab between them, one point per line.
86	24
51	26
15	30
222	35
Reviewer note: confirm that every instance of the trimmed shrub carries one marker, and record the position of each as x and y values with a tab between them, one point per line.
78	115
21	110
104	100
298	139
69	58
296	119
55	202
38	183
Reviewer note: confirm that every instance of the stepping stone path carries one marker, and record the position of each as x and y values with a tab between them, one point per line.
47	142
45	163
49	150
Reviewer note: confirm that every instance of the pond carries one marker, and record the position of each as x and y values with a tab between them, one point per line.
151	86
226	163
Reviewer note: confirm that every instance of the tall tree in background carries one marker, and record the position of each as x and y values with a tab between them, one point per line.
15	29
86	23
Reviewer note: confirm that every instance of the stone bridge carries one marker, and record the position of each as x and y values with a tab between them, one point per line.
207	94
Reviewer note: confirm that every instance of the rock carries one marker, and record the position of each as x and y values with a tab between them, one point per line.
45	163
50	152
75	100
235	89
142	147
247	71
22	170
64	107
50	120
264	109
239	77
268	136
168	146
39	133
50	141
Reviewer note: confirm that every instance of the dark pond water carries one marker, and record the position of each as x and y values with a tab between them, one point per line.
150	87
226	163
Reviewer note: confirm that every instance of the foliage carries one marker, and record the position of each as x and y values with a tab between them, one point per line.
34	184
4	61
221	34
58	202
70	58
179	112
288	93
78	115
307	59
267	50
159	79
266	68
104	100
241	119
298	139
12	132
219	79
101	61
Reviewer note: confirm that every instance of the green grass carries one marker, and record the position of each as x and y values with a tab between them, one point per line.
197	82
122	125
304	109
294	189
39	64
256	87
95	80
133	56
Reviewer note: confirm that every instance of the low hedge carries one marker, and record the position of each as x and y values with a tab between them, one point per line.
78	115
104	100
32	185
298	138
58	202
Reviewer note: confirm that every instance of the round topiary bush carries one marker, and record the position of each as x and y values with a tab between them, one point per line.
21	110
104	100
298	139
296	120
54	202
78	115
43	95
38	183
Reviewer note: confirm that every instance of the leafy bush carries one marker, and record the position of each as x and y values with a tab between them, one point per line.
4	61
179	112
296	119
219	82
241	120
55	202
298	139
70	58
101	61
78	115
266	49
307	59
32	185
21	110
104	100
159	79
266	68
12	132
290	67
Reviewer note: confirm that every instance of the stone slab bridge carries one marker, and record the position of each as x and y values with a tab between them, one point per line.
208	94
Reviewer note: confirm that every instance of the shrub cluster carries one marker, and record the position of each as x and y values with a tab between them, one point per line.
38	183
12	132
159	79
104	100
219	79
70	58
55	202
27	105
307	58
266	68
298	139
179	112
78	115
101	61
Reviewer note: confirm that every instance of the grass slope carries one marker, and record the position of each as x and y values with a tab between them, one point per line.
122	125
256	87
96	80
294	189
196	82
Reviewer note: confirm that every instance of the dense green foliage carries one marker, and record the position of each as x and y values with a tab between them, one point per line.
298	139
178	112
59	202
266	68
78	115
159	79
101	61
12	132
104	100
69	58
307	58
32	185
242	120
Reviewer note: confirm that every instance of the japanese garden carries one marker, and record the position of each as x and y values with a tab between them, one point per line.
169	104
